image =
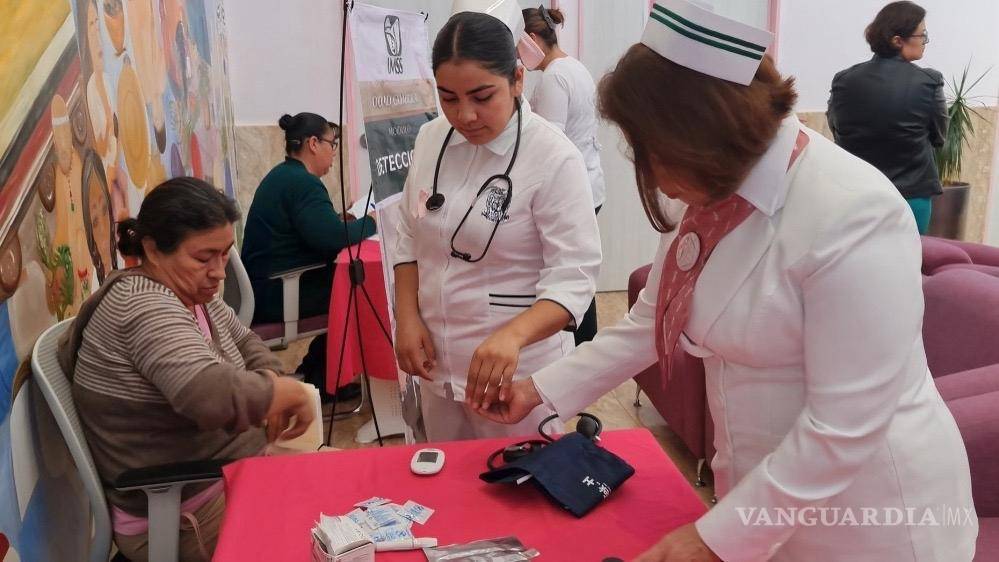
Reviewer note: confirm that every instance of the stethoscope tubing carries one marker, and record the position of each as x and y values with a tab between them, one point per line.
436	200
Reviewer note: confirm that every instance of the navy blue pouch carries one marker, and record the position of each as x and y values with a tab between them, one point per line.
573	471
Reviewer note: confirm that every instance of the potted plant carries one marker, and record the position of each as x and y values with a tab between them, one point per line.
948	209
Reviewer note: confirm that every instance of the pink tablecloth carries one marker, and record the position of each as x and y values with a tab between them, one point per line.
273	501
378	355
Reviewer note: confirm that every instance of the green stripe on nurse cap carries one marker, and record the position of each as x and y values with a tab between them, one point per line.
702	40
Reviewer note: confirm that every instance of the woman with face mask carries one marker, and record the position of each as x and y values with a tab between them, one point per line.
498	247
565	97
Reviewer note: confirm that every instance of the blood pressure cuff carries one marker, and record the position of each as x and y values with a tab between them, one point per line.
573	471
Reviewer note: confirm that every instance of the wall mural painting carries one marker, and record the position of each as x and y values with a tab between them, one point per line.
100	101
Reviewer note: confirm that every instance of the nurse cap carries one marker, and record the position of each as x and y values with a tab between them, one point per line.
702	40
507	11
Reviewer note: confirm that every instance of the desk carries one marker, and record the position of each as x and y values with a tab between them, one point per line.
273	501
378	354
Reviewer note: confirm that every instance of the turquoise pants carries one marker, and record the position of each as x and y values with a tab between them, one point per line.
921	207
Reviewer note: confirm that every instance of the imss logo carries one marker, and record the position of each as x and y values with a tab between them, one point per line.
393	44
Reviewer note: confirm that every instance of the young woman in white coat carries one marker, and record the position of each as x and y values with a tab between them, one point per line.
566	97
498	246
807	315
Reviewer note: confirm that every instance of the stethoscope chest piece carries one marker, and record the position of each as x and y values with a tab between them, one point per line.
436	199
435	202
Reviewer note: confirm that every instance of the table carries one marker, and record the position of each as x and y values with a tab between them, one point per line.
378	354
273	501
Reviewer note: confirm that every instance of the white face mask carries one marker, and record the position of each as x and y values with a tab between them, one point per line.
530	53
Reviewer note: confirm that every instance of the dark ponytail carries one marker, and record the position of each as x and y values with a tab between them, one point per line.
478	37
301	127
130	237
542	22
171	212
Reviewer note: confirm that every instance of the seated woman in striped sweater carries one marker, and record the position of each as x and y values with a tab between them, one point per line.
163	371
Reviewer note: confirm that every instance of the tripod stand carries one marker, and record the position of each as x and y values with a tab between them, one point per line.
356	273
353	301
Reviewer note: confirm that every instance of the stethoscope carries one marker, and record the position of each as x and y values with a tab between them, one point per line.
436	199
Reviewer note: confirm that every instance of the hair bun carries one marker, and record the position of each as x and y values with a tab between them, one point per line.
556	15
286	122
129	237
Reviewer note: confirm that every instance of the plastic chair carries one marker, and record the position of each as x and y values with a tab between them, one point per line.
238	293
161	484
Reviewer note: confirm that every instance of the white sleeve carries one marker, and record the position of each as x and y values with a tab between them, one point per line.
569	235
552	99
615	355
405	250
862	307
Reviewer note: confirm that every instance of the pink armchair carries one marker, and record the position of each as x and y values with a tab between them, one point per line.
682	402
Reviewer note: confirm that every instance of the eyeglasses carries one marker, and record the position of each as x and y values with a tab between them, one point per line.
335	142
925	35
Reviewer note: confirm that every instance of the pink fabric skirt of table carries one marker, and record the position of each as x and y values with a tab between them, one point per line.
372	315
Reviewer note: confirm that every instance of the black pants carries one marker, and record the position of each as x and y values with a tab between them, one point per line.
587	329
313	365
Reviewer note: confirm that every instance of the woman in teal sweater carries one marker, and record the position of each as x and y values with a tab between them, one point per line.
292	223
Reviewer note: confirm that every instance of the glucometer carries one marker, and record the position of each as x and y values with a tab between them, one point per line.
427	461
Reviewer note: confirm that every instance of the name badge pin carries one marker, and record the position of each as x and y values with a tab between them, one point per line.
688	251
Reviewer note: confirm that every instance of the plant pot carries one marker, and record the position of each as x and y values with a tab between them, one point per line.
947	218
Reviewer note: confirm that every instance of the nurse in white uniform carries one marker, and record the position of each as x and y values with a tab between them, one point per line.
566	97
795	276
498	246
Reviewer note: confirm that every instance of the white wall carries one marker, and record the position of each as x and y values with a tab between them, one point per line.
820	38
283	58
286	58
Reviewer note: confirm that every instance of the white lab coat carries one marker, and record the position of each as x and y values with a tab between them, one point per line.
547	248
808	318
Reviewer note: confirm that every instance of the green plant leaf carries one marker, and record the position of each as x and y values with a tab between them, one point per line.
962	113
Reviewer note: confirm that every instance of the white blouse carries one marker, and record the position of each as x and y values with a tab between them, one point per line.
566	97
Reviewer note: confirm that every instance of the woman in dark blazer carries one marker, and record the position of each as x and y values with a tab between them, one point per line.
292	223
891	112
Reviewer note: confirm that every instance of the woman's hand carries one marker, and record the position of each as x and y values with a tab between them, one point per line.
414	348
683	544
521	397
491	370
495	360
291	399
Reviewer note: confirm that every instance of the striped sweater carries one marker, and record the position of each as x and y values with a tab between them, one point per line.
151	389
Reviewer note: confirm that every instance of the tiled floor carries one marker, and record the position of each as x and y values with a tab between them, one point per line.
616	409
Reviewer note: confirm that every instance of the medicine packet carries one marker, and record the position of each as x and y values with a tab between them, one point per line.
503	549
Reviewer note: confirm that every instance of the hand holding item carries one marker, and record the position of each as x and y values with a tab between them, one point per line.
290	400
683	544
414	347
521	398
491	370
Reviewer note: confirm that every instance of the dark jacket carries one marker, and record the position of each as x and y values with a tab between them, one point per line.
892	113
292	223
